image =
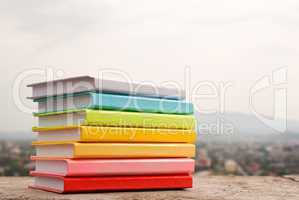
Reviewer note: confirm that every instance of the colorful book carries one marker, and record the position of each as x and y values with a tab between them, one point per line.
113	150
87	83
60	184
113	167
115	134
92	100
115	118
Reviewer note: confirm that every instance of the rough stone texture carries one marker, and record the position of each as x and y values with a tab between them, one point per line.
205	188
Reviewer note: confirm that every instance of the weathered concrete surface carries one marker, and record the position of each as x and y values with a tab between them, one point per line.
205	188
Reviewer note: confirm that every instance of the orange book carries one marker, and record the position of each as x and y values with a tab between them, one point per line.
113	150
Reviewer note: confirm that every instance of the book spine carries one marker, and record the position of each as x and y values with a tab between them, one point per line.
127	183
116	134
126	150
141	104
145	120
130	167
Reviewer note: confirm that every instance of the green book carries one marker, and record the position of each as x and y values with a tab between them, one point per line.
115	118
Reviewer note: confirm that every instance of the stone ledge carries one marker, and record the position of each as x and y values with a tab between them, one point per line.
205	188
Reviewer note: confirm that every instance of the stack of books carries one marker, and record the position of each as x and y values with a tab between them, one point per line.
100	135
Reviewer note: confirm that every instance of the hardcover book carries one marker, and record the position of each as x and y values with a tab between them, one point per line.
115	134
87	83
61	184
113	167
115	118
113	150
102	101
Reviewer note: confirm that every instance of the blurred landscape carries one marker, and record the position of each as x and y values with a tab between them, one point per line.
251	149
15	158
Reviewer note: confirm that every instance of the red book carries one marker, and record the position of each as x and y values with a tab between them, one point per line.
60	184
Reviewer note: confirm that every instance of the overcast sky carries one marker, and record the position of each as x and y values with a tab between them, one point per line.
232	41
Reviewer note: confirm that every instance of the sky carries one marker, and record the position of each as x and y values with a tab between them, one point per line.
213	43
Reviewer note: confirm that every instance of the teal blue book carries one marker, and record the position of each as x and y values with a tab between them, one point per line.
103	101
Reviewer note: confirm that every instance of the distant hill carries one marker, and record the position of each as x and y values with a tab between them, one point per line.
238	126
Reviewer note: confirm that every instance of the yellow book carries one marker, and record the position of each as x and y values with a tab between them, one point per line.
114	134
113	150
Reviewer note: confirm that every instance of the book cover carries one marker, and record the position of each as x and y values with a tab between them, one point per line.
60	184
115	134
114	150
